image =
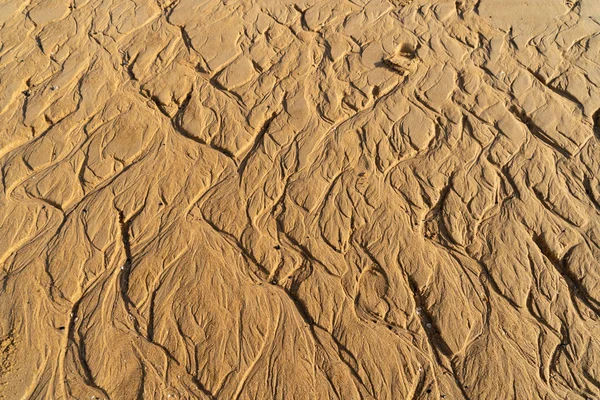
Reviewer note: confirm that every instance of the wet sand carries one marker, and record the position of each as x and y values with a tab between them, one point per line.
267	199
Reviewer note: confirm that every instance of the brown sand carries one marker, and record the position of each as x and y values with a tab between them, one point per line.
344	199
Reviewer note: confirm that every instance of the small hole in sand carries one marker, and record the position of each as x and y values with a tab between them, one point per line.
596	122
407	50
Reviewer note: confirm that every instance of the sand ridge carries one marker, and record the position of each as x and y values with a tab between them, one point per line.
355	199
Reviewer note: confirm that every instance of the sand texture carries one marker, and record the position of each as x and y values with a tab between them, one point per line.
310	199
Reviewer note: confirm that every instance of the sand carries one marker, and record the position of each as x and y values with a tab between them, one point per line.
333	199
